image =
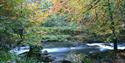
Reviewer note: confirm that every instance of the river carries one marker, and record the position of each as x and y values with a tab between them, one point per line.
59	50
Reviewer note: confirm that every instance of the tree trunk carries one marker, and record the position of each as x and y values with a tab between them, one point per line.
115	40
115	44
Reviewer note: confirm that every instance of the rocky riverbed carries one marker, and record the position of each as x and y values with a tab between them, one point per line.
59	51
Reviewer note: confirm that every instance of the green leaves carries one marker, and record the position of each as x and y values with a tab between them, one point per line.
56	20
59	20
46	5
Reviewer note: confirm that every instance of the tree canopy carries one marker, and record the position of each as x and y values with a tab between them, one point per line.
33	21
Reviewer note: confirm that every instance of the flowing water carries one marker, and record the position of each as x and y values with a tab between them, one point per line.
60	50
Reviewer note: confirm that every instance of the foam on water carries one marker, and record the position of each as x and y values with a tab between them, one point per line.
101	47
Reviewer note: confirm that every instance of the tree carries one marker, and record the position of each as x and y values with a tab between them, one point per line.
97	17
17	17
115	39
8	17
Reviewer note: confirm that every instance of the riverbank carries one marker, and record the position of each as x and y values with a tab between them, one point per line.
109	57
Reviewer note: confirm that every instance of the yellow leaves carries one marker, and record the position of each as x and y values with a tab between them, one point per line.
36	16
41	17
55	1
75	8
77	5
32	6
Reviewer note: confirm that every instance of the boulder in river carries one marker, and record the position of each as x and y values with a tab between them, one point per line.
46	57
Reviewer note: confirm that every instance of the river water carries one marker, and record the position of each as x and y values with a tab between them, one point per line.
59	50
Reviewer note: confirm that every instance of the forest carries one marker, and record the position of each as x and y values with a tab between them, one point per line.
62	31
